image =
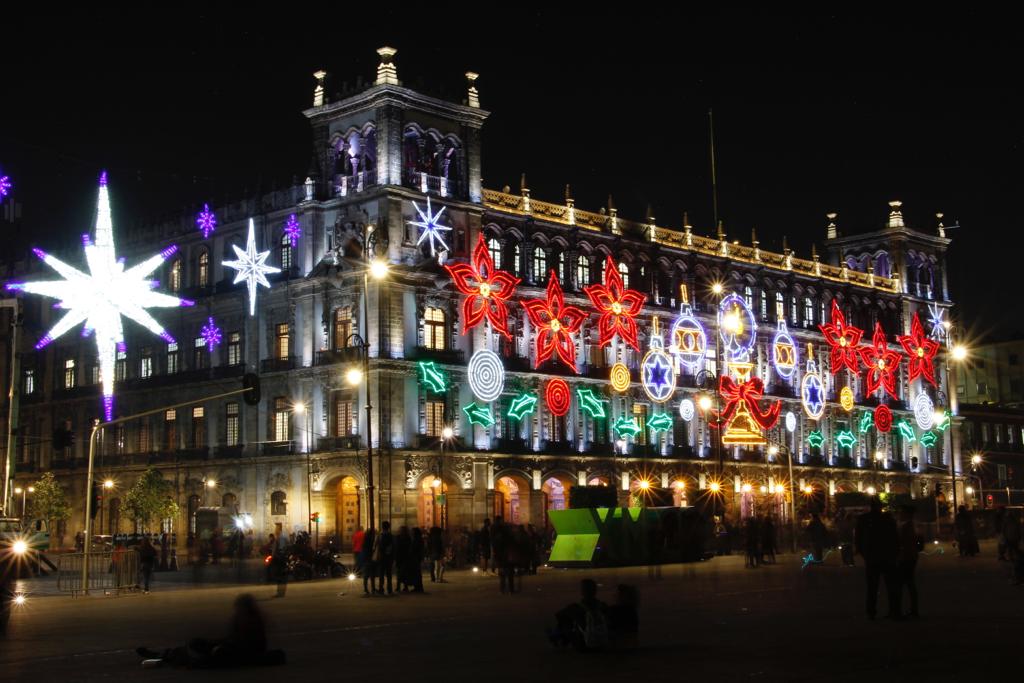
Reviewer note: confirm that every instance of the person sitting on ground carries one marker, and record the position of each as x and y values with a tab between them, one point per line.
246	643
583	624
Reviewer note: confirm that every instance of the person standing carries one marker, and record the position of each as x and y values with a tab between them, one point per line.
435	546
147	560
367	554
816	532
385	556
910	546
767	540
280	564
752	538
966	539
403	553
877	541
416	560
357	548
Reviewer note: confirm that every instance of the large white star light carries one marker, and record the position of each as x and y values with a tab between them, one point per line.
431	228
251	266
100	297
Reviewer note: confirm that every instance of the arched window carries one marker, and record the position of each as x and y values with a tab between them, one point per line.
176	269
793	311
434	329
748	296
582	271
516	263
278	503
560	266
539	264
494	247
282	424
624	272
780	306
342	327
764	305
808	312
203	269
286	252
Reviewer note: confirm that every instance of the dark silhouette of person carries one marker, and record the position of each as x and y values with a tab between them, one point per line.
877	541
485	545
752	533
817	532
906	563
403	552
966	540
147	561
385	553
767	539
366	561
570	621
416	560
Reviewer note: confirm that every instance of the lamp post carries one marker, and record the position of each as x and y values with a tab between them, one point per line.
23	491
108	485
958	352
300	409
975	467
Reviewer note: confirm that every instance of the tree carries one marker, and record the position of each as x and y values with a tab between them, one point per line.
151	497
50	502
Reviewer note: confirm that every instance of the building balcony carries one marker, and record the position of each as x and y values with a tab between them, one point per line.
348	354
278	364
347	185
511	445
350	442
235	451
446	356
278	447
558	447
687	452
194	453
430	184
600	449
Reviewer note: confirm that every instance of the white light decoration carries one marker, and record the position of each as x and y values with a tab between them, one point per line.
100	297
430	227
924	411
486	375
251	266
937	320
790	422
686	409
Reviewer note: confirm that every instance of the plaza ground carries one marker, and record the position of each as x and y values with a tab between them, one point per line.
709	620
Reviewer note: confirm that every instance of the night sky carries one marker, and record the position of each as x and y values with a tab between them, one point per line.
812	114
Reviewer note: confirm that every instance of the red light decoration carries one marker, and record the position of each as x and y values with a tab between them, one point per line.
843	339
747	393
555	323
881	363
618	307
557	397
486	290
920	350
883	418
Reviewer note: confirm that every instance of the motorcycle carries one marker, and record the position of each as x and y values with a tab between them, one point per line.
328	564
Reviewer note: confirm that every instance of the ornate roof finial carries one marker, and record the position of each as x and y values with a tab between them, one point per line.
687	229
814	251
895	215
942	228
568	193
614	213
721	230
785	245
318	92
833	231
753	237
387	74
570	205
524	190
723	245
473	98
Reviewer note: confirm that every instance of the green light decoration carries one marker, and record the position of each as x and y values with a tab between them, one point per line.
479	415
846	439
662	422
867	421
591	403
432	377
626	427
943	424
928	439
522	405
906	431
815	439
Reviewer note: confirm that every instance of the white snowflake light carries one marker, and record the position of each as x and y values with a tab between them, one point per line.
937	320
251	266
100	297
430	227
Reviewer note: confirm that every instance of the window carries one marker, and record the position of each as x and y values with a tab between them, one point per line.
145	442
516	270
764	306
494	247
560	267
982	388
342	327
582	271
539	264
176	275
985	433
282	342
435	418
794	320
640	413
344	417
172	358
286	252
69	373
624	272
231	425
780	307
433	332
1001	473
170	430
998	429
30	382
235	348
120	366
203	269
282	420
808	312
748	296
146	363
94	373
199	355
278	503
198	427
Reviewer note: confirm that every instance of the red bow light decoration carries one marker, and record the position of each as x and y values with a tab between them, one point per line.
843	339
881	363
486	290
555	324
921	351
618	307
748	393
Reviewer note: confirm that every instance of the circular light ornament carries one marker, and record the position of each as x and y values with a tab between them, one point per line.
924	411
812	392
784	352
657	373
736	326
883	419
846	399
486	375
619	377
790	422
557	397
686	409
689	342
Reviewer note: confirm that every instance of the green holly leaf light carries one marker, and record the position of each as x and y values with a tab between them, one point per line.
432	376
846	439
928	439
522	405
867	421
815	439
906	431
662	422
943	424
591	403
624	427
479	415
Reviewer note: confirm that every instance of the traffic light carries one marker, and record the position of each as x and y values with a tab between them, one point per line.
314	517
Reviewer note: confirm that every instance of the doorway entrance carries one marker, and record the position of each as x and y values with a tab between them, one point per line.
346	511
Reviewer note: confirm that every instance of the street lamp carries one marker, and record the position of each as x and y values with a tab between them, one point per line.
300	409
975	468
959	353
24	491
108	485
447	433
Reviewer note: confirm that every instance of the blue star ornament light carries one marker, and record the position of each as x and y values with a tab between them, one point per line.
430	227
251	266
102	295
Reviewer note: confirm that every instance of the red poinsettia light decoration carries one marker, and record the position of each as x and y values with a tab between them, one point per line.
555	324
486	290
881	363
617	306
843	339
921	351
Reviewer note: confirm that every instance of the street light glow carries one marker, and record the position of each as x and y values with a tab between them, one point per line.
747	488
715	487
704	402
354	376
970	490
211	483
20	547
717	288
644	484
31	489
959	352
879	455
18	490
871	490
108	484
976	459
447	432
773	450
378	269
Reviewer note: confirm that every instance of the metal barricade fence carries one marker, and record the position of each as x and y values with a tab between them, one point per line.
109	571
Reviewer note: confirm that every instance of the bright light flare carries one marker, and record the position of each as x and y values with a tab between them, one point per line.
354	376
20	547
959	352
379	269
20	599
351	577
704	402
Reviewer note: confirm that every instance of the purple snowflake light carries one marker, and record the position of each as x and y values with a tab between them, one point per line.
206	221
292	229
211	333
5	186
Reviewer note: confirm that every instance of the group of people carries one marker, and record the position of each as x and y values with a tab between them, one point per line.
393	563
760	541
591	625
890	553
510	550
